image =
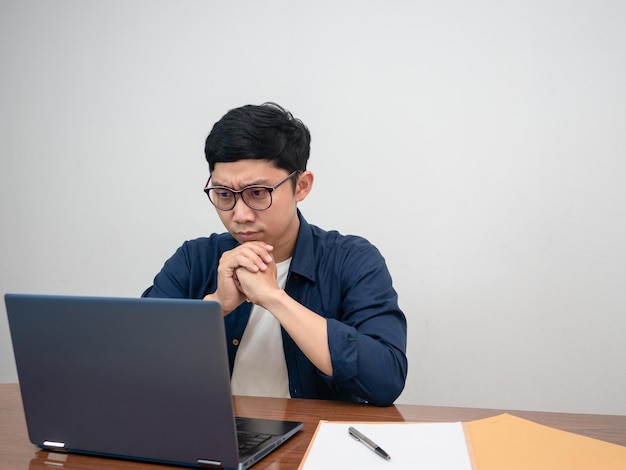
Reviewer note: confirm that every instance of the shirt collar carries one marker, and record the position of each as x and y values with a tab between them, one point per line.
303	261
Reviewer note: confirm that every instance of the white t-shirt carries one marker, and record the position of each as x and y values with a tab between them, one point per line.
260	368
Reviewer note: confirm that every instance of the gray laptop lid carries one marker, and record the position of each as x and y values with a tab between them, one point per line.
142	379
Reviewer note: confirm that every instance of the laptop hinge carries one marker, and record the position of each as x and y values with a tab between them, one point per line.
205	463
54	445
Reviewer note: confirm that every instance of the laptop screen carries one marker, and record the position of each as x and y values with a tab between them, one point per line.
134	378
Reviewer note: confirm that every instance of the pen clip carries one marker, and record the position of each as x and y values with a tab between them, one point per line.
356	435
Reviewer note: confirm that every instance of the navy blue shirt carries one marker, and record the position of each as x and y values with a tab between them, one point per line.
344	279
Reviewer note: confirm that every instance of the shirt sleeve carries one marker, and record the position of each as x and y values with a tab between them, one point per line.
173	279
191	272
368	342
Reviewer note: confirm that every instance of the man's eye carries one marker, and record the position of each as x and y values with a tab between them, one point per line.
257	193
222	194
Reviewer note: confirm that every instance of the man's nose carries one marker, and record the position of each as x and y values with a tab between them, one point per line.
241	211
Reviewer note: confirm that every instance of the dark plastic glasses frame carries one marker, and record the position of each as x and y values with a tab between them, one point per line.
242	191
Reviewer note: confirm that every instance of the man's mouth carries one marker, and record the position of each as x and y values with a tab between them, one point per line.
248	236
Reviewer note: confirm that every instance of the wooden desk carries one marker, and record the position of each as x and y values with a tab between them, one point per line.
17	453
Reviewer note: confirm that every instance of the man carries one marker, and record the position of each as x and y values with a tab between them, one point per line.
308	313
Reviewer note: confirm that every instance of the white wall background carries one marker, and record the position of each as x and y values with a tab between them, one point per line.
480	145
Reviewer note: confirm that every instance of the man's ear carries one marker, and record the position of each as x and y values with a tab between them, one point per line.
304	185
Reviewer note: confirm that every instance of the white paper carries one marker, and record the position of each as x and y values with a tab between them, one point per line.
415	446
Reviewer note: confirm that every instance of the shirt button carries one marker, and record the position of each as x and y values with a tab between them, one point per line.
235	342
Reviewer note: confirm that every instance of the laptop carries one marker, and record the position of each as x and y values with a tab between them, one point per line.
139	379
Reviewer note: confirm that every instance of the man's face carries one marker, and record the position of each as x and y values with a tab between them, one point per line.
278	225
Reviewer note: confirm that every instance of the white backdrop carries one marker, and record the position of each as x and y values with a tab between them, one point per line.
480	145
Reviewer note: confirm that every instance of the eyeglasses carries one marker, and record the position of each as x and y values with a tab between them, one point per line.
256	197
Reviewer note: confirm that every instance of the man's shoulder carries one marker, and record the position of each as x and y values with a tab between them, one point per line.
330	251
335	239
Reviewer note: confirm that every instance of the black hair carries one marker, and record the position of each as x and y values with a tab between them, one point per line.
267	132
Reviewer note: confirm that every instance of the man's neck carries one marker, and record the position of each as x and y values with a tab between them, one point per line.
284	248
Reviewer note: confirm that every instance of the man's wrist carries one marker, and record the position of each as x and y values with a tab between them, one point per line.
214	298
275	300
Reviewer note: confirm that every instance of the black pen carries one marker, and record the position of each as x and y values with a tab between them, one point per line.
368	443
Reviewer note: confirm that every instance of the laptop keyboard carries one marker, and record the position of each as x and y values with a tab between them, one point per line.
249	440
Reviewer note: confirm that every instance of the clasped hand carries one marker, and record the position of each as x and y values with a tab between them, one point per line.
247	272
